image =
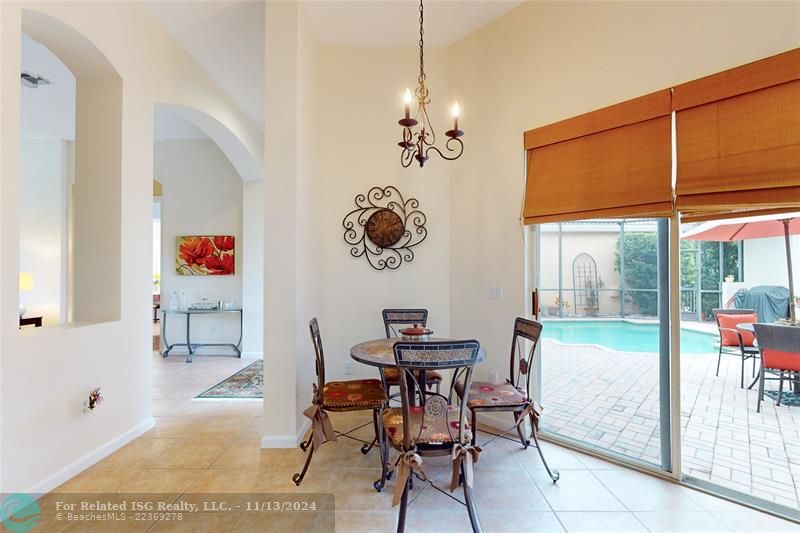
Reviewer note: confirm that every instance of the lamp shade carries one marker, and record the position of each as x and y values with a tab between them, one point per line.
25	282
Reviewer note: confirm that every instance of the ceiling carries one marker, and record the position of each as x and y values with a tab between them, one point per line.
395	23
226	37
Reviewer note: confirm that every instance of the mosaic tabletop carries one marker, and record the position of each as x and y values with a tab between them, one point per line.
379	352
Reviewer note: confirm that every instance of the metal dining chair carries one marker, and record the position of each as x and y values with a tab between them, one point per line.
734	342
338	397
514	395
780	354
433	428
393	320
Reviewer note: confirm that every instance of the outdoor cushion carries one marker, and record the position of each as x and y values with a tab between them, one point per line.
353	394
729	338
392	376
780	360
436	429
482	394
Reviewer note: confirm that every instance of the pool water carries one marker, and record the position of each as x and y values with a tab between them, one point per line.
623	336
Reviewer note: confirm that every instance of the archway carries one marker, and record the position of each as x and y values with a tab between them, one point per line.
204	194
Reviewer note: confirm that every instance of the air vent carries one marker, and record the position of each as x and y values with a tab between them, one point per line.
32	81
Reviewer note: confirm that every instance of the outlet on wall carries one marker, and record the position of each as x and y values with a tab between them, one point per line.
496	292
348	368
213	330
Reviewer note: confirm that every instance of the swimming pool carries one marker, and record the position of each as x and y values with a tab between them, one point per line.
623	335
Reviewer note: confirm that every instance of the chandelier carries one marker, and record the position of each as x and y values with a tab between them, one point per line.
419	138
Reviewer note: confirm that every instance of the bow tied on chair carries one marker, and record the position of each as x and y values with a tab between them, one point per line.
468	456
533	409
407	463
321	427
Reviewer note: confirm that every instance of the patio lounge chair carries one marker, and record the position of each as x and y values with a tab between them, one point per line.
733	341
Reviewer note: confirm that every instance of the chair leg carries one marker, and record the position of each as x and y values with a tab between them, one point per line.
753	373
554	474
760	390
719	358
304	445
383	447
473	512
367	447
401	520
780	389
298	478
525	442
474	426
741	376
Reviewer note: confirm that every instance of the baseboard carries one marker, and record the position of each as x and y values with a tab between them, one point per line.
89	459
253	355
289	441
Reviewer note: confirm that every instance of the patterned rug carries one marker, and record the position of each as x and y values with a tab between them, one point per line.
246	383
792	399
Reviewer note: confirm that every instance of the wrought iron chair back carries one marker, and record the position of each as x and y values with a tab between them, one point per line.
403	317
521	361
319	354
459	356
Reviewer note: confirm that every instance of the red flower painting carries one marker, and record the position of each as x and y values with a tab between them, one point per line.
206	255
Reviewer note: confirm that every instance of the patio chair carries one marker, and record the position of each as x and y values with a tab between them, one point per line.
434	428
733	341
337	397
780	354
512	396
393	319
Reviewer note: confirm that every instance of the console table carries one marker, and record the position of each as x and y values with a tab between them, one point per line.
192	346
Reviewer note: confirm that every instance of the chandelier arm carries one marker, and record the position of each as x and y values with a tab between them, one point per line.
459	150
407	157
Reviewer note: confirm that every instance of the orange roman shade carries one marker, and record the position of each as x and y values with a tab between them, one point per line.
613	162
738	139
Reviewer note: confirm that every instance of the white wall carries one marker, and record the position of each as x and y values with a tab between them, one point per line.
44	189
201	195
544	62
765	262
252	260
45	438
363	89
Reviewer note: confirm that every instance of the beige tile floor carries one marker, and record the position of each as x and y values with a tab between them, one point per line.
214	447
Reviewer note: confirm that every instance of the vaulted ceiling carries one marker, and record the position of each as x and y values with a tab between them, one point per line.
226	37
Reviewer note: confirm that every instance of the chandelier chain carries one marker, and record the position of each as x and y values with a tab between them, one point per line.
421	44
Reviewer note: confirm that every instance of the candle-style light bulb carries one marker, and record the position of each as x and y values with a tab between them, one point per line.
456	112
407	100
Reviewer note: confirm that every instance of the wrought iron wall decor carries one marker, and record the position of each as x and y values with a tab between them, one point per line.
384	228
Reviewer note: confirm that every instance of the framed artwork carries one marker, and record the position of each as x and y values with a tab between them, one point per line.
205	255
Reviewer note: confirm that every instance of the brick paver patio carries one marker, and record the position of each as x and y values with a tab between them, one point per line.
609	399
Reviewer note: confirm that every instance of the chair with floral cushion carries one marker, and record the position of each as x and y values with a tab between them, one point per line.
780	355
393	319
733	341
514	395
338	397
433	428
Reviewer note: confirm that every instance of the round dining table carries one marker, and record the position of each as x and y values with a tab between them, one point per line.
380	353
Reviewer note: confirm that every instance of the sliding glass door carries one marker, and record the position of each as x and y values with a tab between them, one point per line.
603	370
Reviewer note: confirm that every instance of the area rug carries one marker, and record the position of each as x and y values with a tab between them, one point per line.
246	383
792	399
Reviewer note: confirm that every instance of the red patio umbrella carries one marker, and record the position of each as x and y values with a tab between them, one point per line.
758	227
